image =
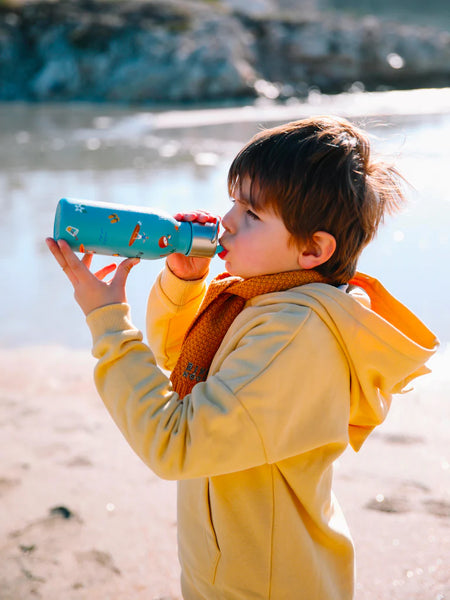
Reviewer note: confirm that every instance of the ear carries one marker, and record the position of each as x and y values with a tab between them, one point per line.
317	251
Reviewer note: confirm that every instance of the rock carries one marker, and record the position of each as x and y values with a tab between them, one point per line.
334	53
177	51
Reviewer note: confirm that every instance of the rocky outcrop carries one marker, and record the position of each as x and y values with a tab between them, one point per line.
172	51
121	51
334	53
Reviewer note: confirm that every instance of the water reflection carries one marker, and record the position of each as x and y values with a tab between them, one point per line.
119	155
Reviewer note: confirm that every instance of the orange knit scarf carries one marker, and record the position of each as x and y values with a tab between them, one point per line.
224	300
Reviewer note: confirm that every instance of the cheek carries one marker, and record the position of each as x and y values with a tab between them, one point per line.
246	241
253	252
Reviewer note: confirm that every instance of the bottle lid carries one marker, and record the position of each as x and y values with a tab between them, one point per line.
205	238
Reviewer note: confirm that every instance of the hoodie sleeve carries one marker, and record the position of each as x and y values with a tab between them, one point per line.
246	414
171	307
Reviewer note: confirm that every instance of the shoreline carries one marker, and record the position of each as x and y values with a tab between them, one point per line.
74	491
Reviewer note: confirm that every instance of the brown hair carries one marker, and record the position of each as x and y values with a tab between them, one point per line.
317	174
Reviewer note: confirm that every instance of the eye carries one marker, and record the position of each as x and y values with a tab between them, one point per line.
252	215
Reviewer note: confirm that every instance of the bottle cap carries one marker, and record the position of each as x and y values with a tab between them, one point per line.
204	239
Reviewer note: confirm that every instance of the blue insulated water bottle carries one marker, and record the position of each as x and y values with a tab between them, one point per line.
131	231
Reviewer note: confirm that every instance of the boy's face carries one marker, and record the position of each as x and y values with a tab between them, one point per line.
256	242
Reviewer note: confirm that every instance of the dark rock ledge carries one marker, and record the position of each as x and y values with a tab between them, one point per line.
173	51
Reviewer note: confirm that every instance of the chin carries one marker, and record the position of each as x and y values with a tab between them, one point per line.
229	269
235	273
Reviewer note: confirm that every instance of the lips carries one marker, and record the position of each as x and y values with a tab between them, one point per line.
223	252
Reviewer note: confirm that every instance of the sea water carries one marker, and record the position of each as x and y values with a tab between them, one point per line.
177	160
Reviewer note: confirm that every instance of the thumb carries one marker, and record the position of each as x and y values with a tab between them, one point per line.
123	270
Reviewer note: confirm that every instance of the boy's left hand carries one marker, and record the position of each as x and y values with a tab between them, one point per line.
89	290
190	267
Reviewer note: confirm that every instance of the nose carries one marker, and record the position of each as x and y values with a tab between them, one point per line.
227	220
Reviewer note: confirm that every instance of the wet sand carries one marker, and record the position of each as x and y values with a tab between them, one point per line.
83	518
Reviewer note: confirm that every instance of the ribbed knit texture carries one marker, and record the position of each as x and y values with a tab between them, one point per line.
224	300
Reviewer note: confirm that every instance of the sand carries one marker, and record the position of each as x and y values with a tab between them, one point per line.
83	518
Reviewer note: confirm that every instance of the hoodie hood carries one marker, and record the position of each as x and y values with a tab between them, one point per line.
386	346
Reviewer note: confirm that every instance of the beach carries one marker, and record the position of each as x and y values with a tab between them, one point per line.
84	518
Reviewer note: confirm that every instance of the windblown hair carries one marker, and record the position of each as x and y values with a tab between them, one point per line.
318	174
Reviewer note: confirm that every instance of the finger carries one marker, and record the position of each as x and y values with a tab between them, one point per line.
77	267
102	273
56	251
198	216
195	215
204	216
184	216
87	259
123	270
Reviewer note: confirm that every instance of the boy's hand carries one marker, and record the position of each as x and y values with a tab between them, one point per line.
90	291
190	267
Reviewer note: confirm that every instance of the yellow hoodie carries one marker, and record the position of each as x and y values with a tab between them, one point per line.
298	376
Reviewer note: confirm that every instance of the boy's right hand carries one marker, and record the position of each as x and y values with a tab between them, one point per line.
91	292
190	267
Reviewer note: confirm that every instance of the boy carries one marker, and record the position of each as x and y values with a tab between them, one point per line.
273	375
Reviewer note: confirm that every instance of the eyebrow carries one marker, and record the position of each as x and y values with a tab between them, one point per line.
246	199
247	206
239	196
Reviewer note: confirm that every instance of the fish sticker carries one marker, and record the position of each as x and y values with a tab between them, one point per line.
73	231
113	218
